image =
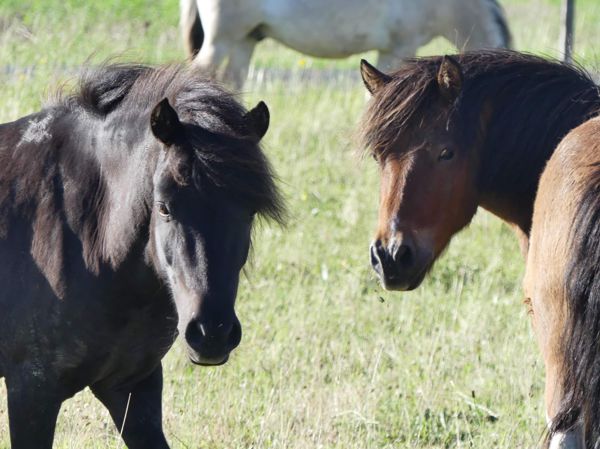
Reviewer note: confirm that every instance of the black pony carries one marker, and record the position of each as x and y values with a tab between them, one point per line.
126	213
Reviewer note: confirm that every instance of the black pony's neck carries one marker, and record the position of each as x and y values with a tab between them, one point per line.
125	154
84	185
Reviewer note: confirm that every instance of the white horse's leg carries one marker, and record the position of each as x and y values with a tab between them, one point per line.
479	24
210	58
390	61
227	27
236	70
191	29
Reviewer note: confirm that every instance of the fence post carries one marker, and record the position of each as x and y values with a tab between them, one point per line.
567	29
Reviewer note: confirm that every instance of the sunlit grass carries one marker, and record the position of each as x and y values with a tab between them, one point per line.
328	360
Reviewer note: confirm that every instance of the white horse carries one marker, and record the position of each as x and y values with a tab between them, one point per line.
222	34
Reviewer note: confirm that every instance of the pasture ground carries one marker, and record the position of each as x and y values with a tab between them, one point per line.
328	360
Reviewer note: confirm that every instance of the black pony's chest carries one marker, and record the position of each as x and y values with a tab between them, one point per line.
130	343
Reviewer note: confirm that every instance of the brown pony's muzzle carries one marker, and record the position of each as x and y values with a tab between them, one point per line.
210	343
400	265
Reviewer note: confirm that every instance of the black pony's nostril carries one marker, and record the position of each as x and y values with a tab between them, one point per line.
194	333
235	336
212	340
214	332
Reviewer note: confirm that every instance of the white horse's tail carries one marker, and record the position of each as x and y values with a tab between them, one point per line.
191	27
500	20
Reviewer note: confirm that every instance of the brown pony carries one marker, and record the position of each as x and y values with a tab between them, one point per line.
454	133
563	283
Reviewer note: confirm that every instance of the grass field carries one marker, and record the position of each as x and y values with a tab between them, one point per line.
328	360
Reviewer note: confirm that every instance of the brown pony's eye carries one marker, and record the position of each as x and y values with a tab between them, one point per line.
163	210
445	155
374	156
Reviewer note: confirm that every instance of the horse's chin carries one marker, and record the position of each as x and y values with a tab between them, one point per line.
393	286
199	360
407	284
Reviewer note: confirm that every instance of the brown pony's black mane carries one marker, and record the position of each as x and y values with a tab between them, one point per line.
530	103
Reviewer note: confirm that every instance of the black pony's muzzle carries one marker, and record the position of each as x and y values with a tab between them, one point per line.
210	343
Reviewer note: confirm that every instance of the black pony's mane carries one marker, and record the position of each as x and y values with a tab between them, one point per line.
227	155
516	107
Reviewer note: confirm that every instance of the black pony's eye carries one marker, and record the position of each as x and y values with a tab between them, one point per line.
163	210
445	155
374	156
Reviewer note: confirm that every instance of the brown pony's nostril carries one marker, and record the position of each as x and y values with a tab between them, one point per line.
377	256
403	255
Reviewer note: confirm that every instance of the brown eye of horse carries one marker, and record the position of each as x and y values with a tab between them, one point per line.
446	155
163	210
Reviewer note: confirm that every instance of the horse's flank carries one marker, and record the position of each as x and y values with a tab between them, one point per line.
563	281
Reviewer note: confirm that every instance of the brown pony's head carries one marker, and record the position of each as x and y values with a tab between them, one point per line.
428	175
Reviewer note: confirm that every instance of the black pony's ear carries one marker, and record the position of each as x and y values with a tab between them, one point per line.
373	78
165	123
450	78
258	118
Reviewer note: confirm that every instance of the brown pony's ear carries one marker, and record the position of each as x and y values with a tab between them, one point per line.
450	78
165	123
258	118
373	78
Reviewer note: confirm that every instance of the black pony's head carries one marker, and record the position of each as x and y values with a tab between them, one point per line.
210	182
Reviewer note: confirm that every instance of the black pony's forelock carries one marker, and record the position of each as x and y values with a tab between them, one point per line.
235	167
103	88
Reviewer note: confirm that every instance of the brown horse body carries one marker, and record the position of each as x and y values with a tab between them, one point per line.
560	280
454	133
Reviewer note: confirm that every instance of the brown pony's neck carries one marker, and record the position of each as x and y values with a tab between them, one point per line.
516	212
525	105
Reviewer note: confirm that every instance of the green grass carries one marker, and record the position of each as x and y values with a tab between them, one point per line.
328	360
